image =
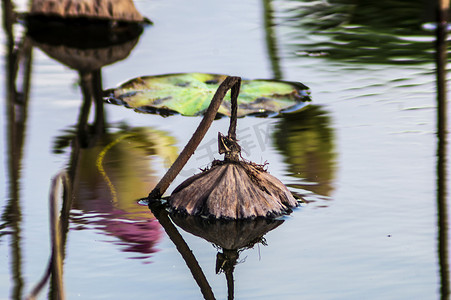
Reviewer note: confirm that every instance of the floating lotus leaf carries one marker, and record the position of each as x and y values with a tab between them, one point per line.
190	94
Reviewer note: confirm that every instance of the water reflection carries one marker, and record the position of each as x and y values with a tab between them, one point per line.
271	41
442	142
306	141
109	167
230	237
84	46
382	32
18	69
107	178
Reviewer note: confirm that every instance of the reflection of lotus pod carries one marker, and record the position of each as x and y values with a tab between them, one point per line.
233	190
119	10
88	59
232	234
81	45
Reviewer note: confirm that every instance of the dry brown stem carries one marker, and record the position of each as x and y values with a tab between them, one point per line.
229	83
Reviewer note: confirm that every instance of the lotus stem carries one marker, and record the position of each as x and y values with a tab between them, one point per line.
231	82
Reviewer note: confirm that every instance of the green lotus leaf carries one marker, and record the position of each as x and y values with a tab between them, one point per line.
190	94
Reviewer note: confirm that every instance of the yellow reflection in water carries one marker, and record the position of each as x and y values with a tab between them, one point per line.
306	140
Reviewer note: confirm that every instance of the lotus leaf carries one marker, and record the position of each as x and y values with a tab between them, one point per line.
190	94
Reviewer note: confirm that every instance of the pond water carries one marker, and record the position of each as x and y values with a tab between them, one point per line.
362	156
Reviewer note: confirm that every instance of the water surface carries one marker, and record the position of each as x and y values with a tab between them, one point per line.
362	156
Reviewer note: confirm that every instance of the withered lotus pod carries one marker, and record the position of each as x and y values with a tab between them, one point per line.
233	190
230	189
119	10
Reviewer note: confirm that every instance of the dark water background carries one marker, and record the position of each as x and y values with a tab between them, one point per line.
363	156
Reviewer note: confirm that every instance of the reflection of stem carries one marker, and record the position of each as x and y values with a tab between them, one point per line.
225	262
55	230
271	39
99	122
230	285
91	88
162	216
58	232
441	57
229	83
18	58
82	131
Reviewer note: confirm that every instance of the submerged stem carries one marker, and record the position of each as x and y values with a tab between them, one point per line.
231	82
